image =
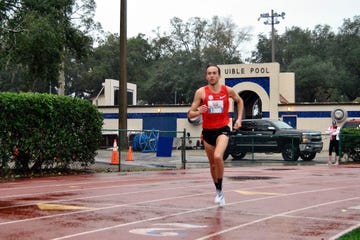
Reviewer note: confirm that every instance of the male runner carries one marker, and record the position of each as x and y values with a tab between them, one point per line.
212	101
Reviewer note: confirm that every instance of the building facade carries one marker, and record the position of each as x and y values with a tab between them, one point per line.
267	93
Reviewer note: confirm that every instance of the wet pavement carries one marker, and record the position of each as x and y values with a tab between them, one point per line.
266	198
196	159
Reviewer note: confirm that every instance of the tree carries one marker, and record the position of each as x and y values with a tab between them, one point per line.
263	53
326	64
84	77
141	57
185	52
294	43
315	80
323	42
37	35
348	57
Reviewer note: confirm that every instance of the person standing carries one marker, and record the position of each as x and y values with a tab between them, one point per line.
334	132
212	103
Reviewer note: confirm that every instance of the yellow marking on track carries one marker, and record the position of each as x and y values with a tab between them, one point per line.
257	193
47	207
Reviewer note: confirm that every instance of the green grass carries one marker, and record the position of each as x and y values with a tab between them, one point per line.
353	235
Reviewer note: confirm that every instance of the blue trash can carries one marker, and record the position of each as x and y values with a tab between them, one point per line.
164	147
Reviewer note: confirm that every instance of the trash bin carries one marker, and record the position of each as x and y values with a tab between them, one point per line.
164	147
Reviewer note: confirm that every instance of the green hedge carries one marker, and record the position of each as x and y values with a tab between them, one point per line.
350	138
39	131
350	142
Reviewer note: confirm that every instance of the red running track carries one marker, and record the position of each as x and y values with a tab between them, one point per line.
266	202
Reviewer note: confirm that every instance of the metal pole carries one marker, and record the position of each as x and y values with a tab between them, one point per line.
272	19
272	37
122	123
119	150
183	151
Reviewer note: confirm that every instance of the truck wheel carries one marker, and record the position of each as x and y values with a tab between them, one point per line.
290	154
307	156
238	155
355	155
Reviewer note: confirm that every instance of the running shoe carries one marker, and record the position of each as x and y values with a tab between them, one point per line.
219	198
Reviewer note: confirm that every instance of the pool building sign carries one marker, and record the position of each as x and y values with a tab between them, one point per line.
267	93
262	87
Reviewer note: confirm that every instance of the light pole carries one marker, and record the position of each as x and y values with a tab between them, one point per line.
122	121
272	20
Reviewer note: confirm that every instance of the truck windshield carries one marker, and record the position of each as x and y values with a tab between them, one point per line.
282	125
352	125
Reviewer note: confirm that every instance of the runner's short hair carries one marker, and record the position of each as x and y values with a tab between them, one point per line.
213	65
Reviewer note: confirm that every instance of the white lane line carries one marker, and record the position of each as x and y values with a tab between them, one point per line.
105	195
207	208
274	216
97	209
127	193
133	192
117	180
115	186
344	232
176	180
252	188
83	181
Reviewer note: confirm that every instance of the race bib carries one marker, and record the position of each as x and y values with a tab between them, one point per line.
215	106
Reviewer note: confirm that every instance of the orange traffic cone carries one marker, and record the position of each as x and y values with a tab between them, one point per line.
115	153
129	156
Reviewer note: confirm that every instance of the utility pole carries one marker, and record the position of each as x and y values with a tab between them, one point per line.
122	124
272	20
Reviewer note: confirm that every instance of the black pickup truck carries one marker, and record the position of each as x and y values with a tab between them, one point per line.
273	136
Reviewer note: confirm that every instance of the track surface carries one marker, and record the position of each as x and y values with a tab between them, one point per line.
262	202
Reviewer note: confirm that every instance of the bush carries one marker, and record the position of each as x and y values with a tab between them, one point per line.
39	131
350	142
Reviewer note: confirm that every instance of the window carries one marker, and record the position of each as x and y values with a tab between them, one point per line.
129	95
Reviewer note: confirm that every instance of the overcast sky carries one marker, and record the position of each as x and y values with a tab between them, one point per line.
143	16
